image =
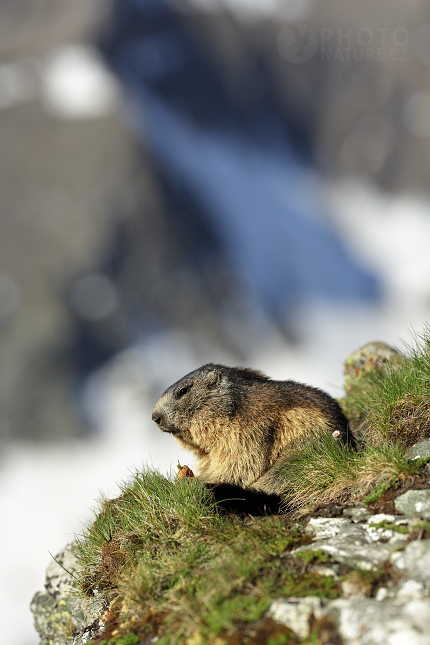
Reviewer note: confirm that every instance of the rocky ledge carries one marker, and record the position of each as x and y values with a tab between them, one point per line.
396	612
400	611
60	617
378	554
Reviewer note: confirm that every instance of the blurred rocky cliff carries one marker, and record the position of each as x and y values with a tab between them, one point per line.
163	170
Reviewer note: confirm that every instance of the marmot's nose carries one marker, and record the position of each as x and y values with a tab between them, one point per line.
157	417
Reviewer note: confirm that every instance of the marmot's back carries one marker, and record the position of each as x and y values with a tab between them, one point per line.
241	424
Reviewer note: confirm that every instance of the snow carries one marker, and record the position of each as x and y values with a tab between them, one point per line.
76	84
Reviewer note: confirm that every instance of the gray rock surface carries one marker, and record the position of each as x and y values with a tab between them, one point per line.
414	563
357	513
414	502
60	618
420	450
369	622
399	614
354	544
295	612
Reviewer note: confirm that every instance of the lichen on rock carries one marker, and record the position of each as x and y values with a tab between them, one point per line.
60	617
414	502
361	370
420	450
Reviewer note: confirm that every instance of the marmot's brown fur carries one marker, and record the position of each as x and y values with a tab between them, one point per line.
240	424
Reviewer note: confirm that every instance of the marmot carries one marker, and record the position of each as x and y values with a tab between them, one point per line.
240	424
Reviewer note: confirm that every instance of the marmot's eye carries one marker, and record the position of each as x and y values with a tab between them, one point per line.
183	391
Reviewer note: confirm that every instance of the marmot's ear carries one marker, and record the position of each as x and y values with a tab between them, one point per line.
212	378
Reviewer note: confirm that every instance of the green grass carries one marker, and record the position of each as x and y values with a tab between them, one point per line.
422	525
324	472
314	557
165	548
396	403
378	490
122	639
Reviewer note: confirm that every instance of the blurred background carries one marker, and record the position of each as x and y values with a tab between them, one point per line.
185	181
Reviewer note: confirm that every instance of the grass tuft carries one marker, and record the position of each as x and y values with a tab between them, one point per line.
397	408
323	472
165	549
395	404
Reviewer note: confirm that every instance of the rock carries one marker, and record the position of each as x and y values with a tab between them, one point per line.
357	514
325	570
324	527
369	622
414	502
414	562
362	364
295	613
409	590
374	521
357	545
59	616
400	613
360	369
420	450
60	572
392	529
355	588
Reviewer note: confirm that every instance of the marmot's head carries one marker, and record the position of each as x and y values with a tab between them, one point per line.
192	407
